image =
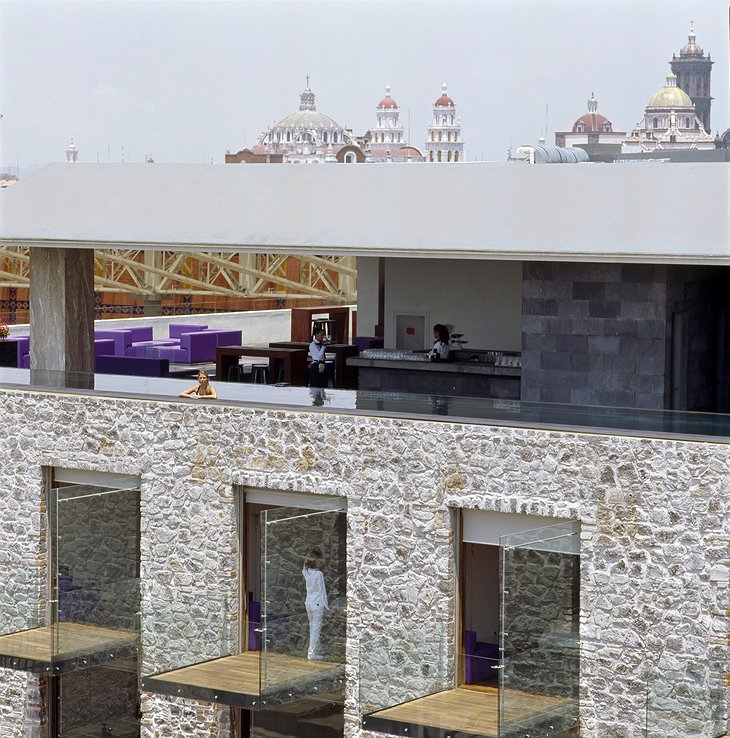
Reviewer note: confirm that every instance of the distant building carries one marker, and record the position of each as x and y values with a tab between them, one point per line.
590	128
670	122
693	70
302	137
443	141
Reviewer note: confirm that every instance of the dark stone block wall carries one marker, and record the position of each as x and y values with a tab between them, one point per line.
602	334
594	334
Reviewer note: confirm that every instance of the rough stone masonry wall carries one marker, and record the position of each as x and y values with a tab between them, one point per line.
654	516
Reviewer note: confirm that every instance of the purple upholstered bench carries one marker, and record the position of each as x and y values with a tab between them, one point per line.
227	338
133	366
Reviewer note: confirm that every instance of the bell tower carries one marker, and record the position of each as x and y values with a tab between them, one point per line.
693	70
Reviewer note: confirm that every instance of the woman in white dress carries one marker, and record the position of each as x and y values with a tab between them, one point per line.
316	602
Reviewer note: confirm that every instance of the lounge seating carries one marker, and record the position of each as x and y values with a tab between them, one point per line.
194	348
132	365
199	347
176	330
104	347
121	338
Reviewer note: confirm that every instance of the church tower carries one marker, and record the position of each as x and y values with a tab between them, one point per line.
693	70
443	141
388	132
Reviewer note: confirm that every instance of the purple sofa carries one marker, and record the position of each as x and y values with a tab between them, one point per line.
194	348
480	659
199	347
23	346
104	347
122	339
177	329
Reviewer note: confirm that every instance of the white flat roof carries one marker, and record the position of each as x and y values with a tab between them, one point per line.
651	212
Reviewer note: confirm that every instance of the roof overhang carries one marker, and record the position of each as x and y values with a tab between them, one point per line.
646	212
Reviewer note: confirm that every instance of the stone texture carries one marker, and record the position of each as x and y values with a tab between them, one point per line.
654	514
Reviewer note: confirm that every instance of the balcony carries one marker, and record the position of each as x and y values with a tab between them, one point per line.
483	411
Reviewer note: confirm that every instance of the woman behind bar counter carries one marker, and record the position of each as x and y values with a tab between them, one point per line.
440	350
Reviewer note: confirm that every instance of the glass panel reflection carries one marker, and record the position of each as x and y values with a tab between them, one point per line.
303	606
540	631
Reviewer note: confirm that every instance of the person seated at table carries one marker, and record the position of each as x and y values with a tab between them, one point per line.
203	389
441	348
317	350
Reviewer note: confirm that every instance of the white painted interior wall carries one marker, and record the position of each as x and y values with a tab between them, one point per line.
367	294
481	299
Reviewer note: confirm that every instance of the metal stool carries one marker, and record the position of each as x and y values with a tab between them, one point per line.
260	373
235	373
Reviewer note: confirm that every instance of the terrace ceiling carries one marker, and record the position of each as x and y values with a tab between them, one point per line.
651	212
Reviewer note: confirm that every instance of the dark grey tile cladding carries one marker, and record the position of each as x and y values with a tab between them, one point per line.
589	291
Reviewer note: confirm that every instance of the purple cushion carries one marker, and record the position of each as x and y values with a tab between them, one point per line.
141	333
104	347
195	348
177	329
122	338
227	338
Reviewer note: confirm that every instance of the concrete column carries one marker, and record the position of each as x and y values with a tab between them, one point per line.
370	295
62	317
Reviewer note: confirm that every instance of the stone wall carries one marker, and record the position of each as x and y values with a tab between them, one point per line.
654	515
602	334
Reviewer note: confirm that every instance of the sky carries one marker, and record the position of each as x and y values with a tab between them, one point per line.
184	82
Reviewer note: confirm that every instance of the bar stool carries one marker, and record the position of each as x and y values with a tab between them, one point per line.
329	368
235	373
260	373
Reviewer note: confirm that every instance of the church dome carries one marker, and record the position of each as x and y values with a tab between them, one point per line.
387	103
307	116
592	121
691	48
670	96
444	101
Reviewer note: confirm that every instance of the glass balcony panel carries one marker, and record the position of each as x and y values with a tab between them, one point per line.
95	593
398	679
102	701
316	715
303	611
540	639
91	614
686	697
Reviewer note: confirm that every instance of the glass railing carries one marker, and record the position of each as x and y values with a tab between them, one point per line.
102	701
398	668
92	614
632	421
317	715
540	645
303	577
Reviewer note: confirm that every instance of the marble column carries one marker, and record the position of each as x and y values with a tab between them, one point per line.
62	317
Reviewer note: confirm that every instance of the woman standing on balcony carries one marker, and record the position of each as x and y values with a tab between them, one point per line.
316	602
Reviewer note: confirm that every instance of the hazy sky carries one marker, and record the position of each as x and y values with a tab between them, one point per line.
184	81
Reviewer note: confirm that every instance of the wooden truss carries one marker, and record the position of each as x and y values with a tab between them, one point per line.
152	274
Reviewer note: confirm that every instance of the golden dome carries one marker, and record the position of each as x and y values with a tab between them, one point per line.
670	96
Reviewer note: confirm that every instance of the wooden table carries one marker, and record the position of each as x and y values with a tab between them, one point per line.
293	362
345	377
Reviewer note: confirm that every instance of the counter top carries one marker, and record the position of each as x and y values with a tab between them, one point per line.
447	367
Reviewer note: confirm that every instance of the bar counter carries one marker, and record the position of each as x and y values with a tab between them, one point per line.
459	377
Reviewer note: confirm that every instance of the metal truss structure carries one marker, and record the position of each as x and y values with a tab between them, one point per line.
153	274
